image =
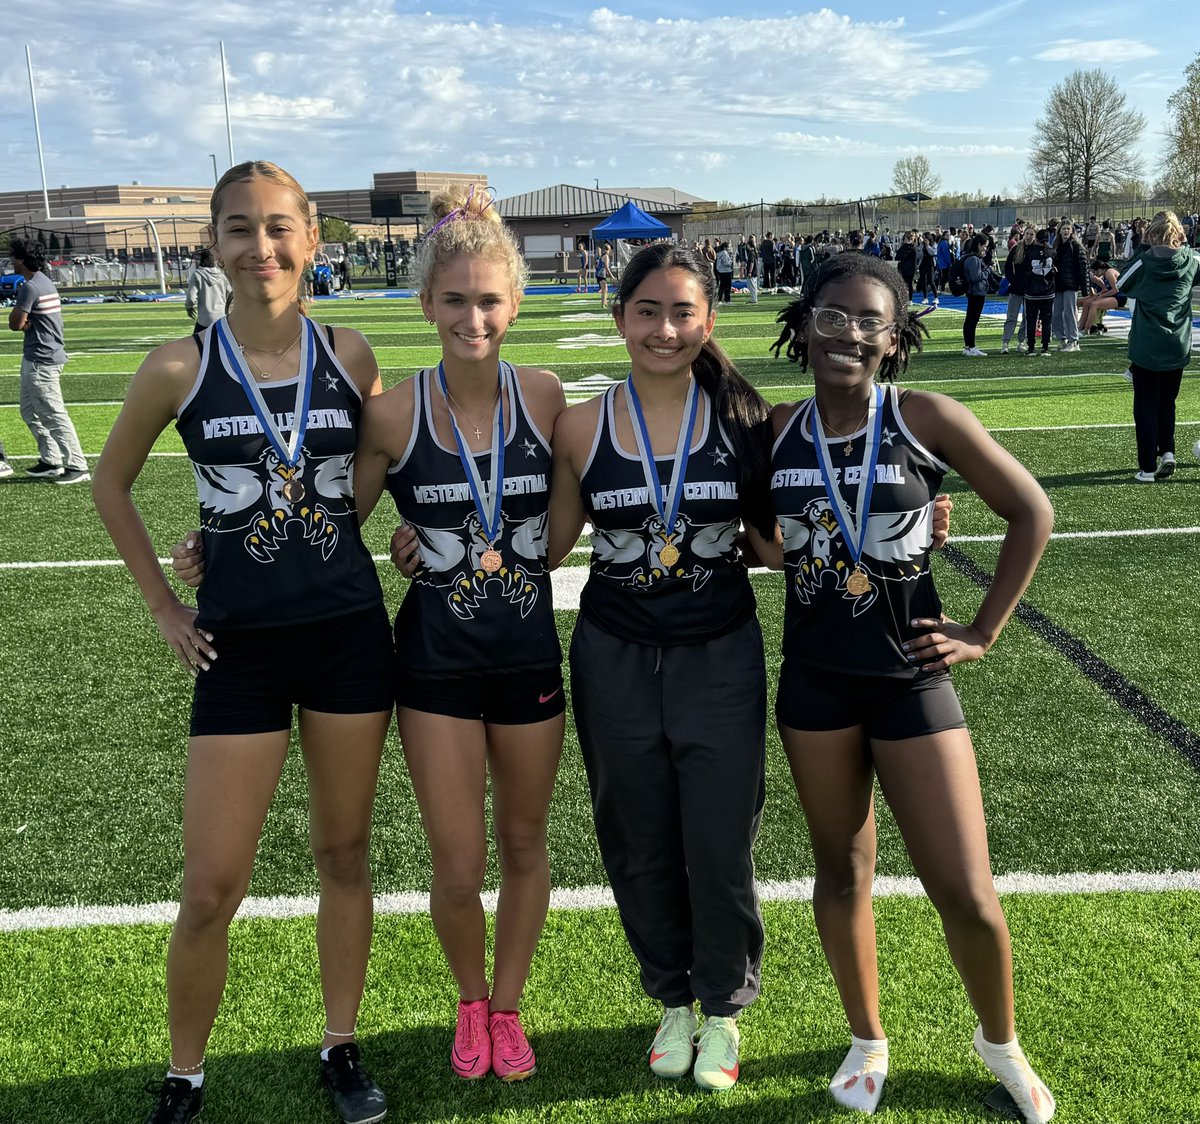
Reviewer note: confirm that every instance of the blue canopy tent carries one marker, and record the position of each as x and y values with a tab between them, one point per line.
630	222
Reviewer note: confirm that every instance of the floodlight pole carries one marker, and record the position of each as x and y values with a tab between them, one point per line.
225	89
213	157
37	129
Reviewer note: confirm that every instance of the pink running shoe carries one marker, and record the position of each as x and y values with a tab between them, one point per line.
471	1057
512	1056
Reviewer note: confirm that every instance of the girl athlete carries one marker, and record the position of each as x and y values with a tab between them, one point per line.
464	450
1104	295
864	687
667	674
268	409
1160	280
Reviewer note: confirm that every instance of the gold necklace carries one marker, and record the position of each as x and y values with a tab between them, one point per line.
849	440
280	355
474	424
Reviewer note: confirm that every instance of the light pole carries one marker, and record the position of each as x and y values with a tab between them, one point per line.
213	157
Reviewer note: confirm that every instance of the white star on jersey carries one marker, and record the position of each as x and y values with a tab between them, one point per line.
331	382
720	455
529	447
886	435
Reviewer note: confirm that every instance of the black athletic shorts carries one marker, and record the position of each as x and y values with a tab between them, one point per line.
887	709
343	665
508	698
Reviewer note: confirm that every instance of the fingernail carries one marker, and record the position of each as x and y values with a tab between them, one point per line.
204	665
904	647
190	544
209	637
212	655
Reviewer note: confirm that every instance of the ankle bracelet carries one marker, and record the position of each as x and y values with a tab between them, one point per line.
339	1033
182	1069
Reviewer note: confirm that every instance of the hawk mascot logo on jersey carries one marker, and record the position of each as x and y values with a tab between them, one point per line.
895	550
450	562
634	557
234	500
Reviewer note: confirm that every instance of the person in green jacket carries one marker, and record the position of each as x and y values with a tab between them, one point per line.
1160	281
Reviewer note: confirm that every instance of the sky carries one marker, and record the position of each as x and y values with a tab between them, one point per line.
729	101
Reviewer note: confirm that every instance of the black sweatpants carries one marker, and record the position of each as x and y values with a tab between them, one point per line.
974	312
674	744
1036	309
1154	395
724	286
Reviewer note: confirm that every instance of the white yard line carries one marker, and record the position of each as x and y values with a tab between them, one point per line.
585	898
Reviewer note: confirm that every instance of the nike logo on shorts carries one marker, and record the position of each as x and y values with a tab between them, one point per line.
547	698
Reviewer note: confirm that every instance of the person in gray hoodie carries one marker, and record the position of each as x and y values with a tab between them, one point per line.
1160	282
208	292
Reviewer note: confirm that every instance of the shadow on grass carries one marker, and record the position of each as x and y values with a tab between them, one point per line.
586	1075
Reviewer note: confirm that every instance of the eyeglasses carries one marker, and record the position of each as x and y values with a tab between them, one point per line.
832	322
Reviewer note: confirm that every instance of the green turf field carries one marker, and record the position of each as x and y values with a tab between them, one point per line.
92	737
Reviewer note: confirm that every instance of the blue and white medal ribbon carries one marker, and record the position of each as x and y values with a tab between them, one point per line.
288	452
853	534
487	508
665	501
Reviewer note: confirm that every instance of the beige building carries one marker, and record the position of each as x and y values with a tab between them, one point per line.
355	204
112	217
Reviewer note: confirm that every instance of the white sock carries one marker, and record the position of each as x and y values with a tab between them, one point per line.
195	1079
859	1080
1009	1066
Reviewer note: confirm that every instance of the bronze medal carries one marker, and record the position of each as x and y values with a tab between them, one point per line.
293	491
858	583
669	555
491	560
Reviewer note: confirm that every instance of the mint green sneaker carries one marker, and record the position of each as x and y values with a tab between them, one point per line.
717	1054
672	1049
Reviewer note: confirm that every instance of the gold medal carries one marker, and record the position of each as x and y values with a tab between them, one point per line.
669	555
858	583
293	491
491	560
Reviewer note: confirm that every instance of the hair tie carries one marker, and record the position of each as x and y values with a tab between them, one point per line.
464	210
924	312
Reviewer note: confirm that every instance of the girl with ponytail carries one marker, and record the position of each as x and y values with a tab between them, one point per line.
667	675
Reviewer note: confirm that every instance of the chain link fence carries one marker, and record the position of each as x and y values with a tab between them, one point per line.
738	222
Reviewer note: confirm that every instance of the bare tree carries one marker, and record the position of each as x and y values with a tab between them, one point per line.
1086	141
912	174
1181	173
1042	182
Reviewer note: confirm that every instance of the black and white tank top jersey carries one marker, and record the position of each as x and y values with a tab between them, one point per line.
825	626
631	593
458	619
269	561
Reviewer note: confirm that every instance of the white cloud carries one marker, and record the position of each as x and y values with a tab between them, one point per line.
726	104
1097	52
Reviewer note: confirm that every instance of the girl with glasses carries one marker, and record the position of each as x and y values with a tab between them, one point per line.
864	690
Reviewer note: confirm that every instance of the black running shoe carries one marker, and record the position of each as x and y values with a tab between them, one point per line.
356	1098
43	471
72	475
179	1101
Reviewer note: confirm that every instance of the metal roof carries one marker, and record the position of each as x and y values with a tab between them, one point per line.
670	196
564	200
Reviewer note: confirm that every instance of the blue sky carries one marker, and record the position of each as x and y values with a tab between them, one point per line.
727	101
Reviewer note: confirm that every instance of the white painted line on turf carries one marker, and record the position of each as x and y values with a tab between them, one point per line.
568	581
583	898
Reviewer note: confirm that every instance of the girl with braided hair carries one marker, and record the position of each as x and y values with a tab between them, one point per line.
864	689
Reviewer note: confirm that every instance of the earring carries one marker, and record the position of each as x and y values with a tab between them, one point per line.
428	320
512	321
